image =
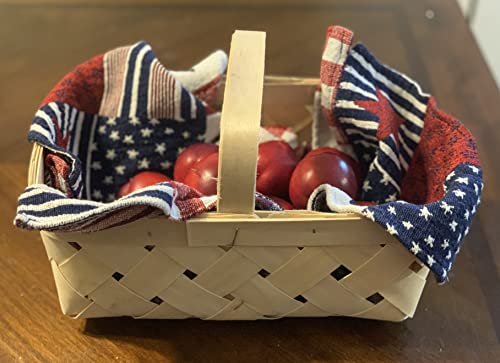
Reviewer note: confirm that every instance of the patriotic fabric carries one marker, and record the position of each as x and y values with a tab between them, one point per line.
421	165
116	115
124	112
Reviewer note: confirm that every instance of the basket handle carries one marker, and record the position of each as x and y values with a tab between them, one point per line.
240	123
35	171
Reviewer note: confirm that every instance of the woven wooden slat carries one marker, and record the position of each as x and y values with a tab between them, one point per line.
234	284
156	264
96	272
72	302
330	295
396	261
308	268
266	298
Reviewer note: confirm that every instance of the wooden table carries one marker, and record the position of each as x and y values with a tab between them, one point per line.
429	40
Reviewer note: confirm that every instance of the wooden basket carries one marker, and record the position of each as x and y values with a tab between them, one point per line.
238	264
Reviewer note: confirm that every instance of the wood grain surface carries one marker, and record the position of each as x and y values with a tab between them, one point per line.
429	40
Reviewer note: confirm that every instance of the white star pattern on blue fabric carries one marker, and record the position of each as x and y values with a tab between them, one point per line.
146	132
132	154
96	194
110	154
143	163
134	121
160	148
108	180
448	209
128	145
391	229
415	248
430	260
453	226
429	241
474	169
115	135
459	193
408	225
424	212
165	165
96	165
419	227
120	169
369	214
111	122
391	198
386	178
128	139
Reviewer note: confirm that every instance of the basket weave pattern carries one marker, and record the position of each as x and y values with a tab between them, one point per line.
234	283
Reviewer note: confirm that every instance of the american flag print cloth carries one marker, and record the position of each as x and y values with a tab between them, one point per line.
420	165
116	115
123	112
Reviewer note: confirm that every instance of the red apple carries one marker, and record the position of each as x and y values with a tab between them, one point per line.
281	202
202	176
321	168
353	163
192	155
275	166
142	180
124	190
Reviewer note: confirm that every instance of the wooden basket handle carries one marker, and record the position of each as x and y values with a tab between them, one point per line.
35	171
240	123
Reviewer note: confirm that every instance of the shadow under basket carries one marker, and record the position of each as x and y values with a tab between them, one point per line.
238	264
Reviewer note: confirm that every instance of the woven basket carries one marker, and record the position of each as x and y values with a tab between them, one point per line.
238	264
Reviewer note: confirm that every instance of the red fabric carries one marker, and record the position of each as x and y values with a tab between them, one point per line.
81	88
188	201
389	120
339	33
58	173
330	73
444	144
